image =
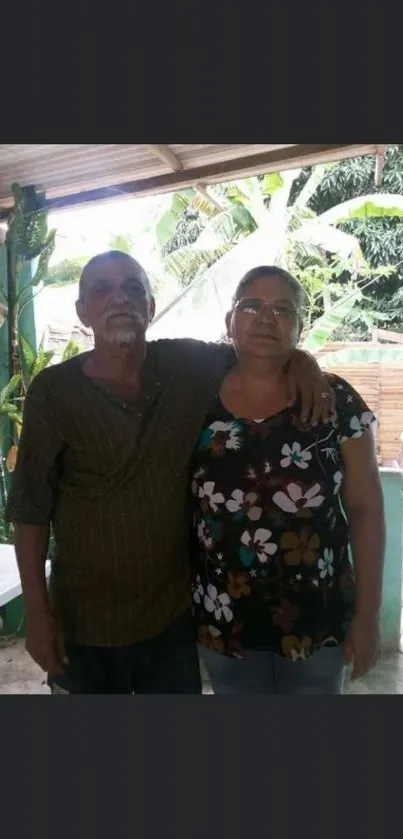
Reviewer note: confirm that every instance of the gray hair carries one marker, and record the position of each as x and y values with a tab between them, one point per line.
262	272
109	255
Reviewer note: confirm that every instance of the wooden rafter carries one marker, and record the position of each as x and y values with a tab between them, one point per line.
261	162
204	192
167	156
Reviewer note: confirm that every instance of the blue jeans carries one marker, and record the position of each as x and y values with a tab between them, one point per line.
265	672
166	664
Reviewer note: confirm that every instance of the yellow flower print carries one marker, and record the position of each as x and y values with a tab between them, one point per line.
209	636
301	547
295	648
237	585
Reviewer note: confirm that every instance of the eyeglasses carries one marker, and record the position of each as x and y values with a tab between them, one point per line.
256	307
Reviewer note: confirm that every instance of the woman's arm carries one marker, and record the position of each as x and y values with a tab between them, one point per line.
363	504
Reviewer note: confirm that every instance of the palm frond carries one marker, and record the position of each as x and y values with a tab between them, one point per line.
377	205
322	329
72	349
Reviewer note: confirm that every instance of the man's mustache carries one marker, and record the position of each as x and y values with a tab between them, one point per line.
130	311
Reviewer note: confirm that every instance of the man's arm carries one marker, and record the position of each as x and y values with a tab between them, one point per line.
30	508
363	503
31	547
305	379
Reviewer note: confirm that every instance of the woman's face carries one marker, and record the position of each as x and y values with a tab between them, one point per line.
265	321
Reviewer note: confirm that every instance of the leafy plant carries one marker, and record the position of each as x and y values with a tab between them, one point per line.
313	246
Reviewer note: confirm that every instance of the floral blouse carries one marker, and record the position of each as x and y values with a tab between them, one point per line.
271	563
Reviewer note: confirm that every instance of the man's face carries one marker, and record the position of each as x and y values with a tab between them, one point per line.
115	300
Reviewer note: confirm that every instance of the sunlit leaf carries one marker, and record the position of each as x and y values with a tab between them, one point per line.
322	329
8	390
202	204
72	349
271	183
28	353
166	227
365	206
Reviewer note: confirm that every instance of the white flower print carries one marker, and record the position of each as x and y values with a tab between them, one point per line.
233	441
325	565
197	475
218	603
236	501
218	571
349	398
294	454
198	590
259	542
294	499
337	477
204	536
360	424
267	467
215	498
239	501
330	452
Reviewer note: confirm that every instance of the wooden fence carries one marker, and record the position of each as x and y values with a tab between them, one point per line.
381	385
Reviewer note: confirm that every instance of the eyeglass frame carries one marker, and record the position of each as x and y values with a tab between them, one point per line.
292	315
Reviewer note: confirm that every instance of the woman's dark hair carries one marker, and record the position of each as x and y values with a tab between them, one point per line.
263	271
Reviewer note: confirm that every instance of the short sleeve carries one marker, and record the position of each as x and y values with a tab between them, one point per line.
354	417
34	482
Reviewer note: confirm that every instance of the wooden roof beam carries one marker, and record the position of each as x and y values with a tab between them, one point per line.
270	161
167	156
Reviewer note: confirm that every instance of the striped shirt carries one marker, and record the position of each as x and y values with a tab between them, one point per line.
113	481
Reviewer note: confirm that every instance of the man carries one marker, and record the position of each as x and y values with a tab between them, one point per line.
104	458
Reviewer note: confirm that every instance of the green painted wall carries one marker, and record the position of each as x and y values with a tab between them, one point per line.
3	329
27	319
392	486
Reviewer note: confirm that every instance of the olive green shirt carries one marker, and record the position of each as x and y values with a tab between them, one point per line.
113	481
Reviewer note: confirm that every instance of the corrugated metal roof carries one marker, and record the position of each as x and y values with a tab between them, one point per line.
73	174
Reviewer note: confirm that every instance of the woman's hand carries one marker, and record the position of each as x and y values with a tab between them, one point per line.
307	380
361	648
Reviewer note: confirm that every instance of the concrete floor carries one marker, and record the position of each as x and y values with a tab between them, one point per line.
19	674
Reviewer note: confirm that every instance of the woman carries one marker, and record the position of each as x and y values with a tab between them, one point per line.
279	607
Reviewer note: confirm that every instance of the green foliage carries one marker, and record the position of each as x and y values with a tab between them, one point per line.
8	407
323	213
324	326
121	242
380	236
64	273
72	349
28	229
42	271
271	183
35	362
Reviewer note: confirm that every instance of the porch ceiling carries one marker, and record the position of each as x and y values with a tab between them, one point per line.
72	175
